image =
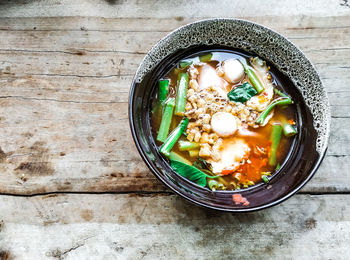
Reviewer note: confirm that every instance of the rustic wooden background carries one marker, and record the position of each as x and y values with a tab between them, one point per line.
71	181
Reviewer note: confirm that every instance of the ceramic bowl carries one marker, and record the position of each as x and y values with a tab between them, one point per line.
303	84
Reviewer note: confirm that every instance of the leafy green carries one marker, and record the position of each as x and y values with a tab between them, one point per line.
242	93
191	173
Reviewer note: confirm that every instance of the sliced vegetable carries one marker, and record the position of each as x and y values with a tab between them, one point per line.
278	166
265	178
206	57
250	183
280	93
191	173
163	90
184	64
275	141
166	120
277	102
173	137
187	145
181	94
214	185
289	130
193	153
242	93
252	77
173	156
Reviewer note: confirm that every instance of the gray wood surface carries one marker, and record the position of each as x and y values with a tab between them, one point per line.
165	226
65	73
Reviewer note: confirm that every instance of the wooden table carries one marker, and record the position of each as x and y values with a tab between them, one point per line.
72	182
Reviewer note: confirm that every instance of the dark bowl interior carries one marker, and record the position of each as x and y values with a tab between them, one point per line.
295	74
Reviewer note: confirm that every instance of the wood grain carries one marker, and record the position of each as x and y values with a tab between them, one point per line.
65	72
64	89
163	8
165	226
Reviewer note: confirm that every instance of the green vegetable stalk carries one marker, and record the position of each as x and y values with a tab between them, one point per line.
275	141
173	137
181	94
277	102
265	178
187	145
280	93
289	130
252	77
184	64
163	90
173	156
166	120
206	57
193	153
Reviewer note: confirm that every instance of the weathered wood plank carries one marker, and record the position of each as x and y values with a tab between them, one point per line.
287	22
166	226
137	40
160	9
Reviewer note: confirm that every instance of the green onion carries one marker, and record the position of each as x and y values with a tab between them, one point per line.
214	185
177	157
181	94
252	77
275	140
237	176
289	130
166	120
173	137
278	166
184	64
280	93
277	102
193	153
265	179
233	185
206	57
187	145
251	183
163	90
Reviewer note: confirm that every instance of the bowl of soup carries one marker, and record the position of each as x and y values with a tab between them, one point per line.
229	115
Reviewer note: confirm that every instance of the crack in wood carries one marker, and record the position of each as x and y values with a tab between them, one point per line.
58	253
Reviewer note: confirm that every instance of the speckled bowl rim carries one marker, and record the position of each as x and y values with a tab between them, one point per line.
146	66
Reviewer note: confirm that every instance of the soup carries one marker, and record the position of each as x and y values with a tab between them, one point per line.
222	121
